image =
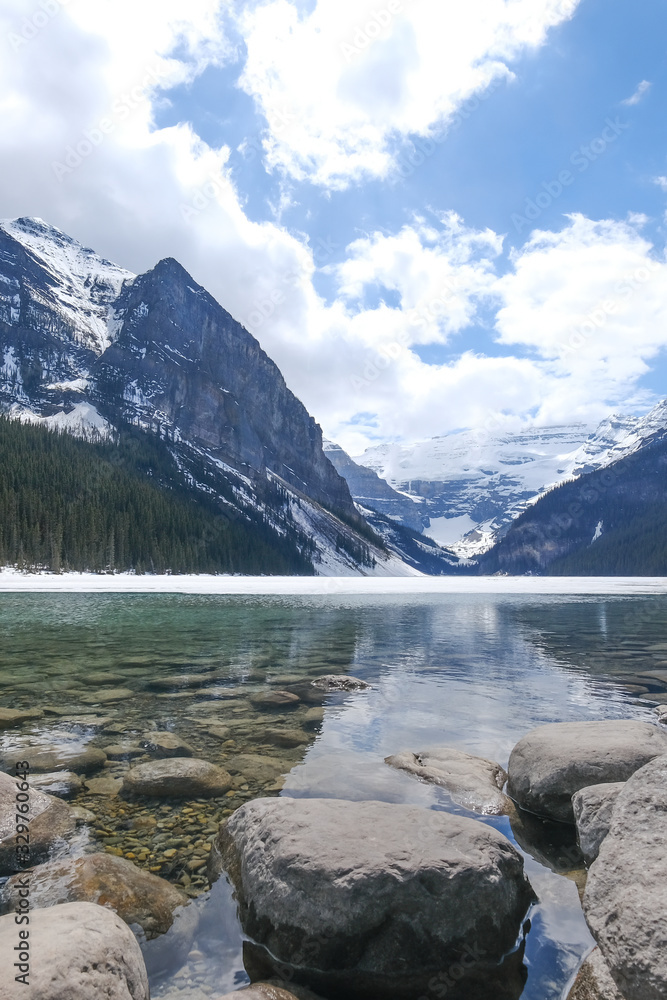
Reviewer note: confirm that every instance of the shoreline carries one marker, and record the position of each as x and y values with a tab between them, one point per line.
16	582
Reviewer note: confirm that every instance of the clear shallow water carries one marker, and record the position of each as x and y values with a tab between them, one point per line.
470	671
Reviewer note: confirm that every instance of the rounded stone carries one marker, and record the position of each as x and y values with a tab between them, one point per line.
63	784
593	807
50	821
368	899
271	991
10	717
177	777
165	744
78	951
271	700
167	921
549	765
81	760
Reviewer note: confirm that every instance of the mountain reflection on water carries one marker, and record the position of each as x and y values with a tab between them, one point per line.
474	672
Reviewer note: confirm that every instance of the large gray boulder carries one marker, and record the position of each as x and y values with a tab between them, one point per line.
157	910
50	821
626	896
368	900
77	951
594	981
473	782
593	807
549	765
177	778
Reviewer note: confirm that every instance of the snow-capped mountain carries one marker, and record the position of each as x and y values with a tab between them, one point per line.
89	347
472	485
619	436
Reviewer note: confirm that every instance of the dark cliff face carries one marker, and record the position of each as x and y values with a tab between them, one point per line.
374	493
181	362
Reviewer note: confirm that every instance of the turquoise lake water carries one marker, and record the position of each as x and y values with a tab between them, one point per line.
474	672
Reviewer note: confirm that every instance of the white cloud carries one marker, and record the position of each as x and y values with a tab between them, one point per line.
661	182
642	89
341	85
355	367
590	301
439	273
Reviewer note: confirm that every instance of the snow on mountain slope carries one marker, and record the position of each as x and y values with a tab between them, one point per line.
88	348
85	285
472	485
618	436
81	421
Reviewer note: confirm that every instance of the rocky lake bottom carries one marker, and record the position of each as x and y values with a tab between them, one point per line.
94	686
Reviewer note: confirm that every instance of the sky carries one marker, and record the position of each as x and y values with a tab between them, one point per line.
433	215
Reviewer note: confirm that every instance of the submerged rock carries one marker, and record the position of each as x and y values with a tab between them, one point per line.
168	924
63	784
50	821
101	677
81	760
549	765
473	782
10	717
339	682
626	896
287	738
267	701
170	683
82	815
124	751
593	807
594	981
552	844
177	777
106	697
271	991
257	768
166	745
106	785
78	951
367	899
313	718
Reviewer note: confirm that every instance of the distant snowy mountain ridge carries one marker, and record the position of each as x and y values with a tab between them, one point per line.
471	486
